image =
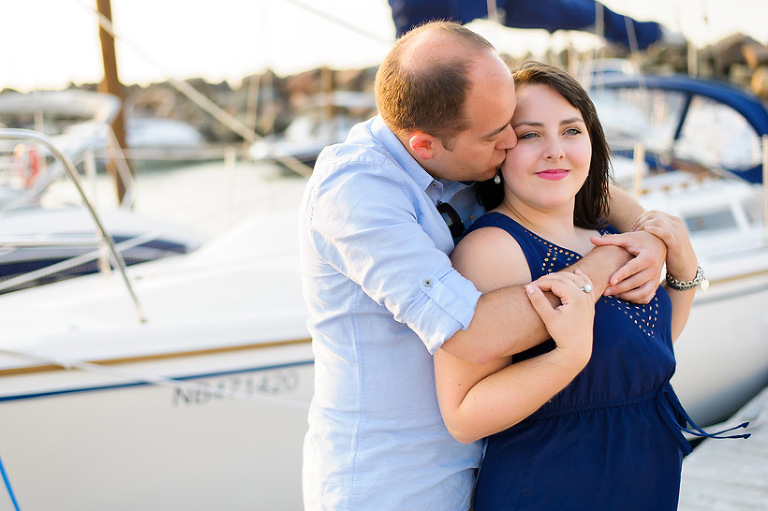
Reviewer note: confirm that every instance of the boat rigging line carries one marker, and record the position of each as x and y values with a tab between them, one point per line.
342	23
234	124
8	487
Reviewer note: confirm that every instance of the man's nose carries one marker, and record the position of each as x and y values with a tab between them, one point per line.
510	139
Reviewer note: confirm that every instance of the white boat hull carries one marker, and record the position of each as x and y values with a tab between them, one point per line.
95	441
722	354
112	432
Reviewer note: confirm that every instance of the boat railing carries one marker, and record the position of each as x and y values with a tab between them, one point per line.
101	239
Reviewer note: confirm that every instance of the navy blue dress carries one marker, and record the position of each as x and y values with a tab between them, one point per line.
611	439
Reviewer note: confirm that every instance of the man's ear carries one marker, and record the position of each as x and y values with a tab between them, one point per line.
422	144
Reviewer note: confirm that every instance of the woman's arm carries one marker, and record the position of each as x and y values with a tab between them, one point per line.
623	210
681	261
477	401
480	399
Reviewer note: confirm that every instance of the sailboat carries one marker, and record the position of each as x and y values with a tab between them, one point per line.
38	228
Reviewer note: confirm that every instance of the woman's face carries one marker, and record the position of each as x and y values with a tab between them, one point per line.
551	160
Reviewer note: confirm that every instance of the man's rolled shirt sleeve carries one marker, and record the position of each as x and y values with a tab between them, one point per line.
376	237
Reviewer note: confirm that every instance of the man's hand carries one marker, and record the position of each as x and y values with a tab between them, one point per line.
681	258
637	280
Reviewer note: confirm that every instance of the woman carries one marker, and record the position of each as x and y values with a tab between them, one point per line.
588	420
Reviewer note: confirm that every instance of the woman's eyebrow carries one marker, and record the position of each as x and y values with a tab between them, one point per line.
538	123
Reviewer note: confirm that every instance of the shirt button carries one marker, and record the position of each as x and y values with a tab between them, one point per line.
428	282
434	183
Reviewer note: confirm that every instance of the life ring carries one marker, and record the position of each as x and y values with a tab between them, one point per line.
27	162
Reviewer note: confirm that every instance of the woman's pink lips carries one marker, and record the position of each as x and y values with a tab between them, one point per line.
552	174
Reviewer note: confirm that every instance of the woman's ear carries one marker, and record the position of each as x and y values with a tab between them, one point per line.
422	144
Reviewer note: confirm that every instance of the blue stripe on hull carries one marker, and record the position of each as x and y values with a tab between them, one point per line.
20	397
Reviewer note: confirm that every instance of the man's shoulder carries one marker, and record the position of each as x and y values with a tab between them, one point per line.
366	164
370	164
349	153
361	147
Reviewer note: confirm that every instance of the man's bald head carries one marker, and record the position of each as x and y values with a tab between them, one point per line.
423	81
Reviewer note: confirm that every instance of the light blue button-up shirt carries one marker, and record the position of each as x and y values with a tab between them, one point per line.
382	297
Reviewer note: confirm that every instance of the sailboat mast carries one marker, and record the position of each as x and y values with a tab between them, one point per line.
111	85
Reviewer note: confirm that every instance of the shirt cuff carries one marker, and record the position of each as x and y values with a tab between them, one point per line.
452	300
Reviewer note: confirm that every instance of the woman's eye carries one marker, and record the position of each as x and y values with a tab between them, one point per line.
526	136
572	131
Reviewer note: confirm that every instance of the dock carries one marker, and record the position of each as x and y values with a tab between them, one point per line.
730	475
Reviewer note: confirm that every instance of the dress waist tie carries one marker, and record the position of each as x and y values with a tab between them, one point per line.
680	420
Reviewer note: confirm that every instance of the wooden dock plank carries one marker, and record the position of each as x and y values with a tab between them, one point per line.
730	475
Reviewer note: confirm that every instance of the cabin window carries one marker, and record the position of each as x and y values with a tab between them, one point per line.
719	220
647	115
716	135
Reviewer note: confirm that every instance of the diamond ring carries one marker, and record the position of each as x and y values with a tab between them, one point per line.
587	288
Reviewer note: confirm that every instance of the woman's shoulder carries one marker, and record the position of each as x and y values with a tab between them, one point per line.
492	219
491	258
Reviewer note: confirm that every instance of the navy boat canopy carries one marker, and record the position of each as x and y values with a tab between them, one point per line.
743	102
551	15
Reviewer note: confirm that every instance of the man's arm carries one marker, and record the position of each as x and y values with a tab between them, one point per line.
627	265
623	210
637	280
506	323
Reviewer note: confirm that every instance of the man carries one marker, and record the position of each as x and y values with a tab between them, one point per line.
381	293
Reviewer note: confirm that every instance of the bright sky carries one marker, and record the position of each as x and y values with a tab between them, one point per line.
48	43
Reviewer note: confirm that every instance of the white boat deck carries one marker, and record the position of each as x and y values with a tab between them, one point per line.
730	475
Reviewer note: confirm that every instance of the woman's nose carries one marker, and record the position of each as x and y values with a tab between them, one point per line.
554	150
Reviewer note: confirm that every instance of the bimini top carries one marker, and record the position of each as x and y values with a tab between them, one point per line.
552	16
713	123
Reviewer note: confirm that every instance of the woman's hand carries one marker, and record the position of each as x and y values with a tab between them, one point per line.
570	324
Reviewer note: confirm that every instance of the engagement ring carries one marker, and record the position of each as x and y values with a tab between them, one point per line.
587	288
